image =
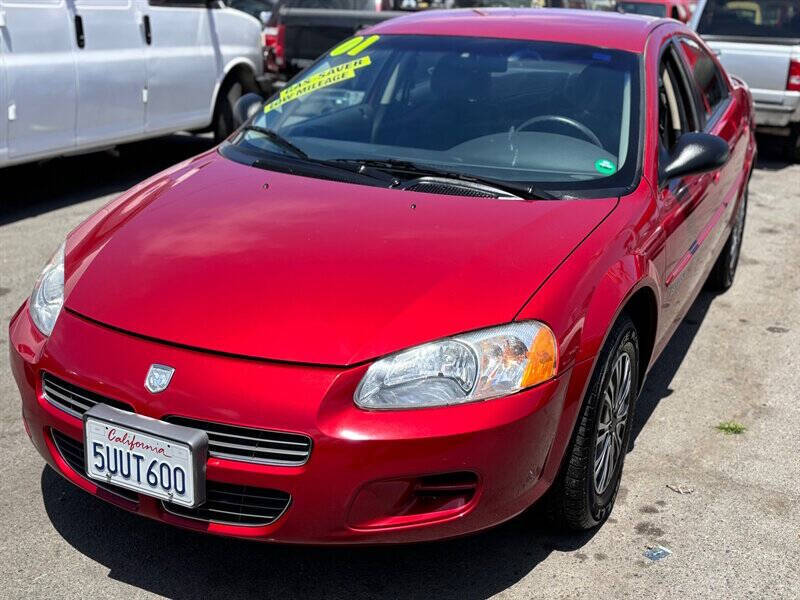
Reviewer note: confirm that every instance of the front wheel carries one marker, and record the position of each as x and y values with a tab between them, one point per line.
223	124
584	492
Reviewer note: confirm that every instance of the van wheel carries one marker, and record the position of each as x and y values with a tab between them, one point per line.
584	492
223	111
724	270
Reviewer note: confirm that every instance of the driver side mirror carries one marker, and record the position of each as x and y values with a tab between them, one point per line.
246	106
695	153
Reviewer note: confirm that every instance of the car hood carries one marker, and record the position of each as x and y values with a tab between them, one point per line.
225	257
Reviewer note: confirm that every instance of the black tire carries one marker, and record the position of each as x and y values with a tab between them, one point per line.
575	502
724	270
223	125
791	149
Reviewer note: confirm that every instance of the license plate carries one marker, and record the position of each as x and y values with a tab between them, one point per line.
145	455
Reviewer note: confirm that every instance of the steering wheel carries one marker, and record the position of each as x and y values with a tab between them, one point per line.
588	133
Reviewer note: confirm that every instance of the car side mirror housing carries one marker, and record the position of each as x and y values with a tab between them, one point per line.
695	153
245	107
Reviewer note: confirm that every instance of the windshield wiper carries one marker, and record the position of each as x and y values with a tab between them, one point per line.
523	190
359	170
277	139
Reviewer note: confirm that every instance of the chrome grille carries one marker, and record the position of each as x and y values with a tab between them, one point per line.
251	445
73	454
231	442
73	399
236	504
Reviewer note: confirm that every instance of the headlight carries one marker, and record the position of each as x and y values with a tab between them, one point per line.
48	294
475	366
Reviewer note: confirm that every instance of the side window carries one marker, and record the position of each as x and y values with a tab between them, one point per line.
708	80
183	3
676	114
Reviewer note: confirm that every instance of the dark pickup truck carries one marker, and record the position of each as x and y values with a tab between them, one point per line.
301	30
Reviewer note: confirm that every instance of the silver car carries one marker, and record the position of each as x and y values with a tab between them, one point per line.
759	41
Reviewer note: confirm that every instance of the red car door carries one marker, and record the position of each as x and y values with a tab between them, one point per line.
686	202
720	115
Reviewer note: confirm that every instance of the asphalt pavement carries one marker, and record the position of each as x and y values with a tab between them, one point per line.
726	506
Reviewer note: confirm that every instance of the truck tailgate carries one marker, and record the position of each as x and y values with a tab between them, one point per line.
765	67
311	32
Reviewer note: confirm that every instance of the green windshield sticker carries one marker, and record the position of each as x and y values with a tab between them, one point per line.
325	78
605	166
355	45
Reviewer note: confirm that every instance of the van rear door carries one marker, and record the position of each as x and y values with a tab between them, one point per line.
38	42
111	72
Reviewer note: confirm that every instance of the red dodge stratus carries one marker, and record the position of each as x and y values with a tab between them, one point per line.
418	290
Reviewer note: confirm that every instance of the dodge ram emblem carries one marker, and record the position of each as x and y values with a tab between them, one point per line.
158	378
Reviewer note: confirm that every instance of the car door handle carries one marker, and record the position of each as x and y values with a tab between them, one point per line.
79	31
148	34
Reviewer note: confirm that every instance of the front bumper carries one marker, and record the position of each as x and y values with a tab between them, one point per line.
358	482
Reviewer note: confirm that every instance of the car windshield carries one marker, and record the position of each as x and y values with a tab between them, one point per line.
751	18
562	115
643	8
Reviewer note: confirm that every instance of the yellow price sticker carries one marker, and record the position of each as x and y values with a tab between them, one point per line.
355	45
328	77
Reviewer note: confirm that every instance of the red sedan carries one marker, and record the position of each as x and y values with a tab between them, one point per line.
418	290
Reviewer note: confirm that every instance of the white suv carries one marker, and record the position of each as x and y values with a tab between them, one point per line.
77	75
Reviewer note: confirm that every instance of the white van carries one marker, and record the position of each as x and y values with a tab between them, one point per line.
78	75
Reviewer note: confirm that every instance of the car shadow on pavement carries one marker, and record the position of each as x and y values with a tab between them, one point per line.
658	382
35	188
181	564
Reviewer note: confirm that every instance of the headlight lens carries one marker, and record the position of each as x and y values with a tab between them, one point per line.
48	294
475	366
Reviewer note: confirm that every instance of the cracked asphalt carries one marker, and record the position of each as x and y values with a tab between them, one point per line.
734	535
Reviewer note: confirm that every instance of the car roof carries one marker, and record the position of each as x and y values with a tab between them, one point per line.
594	28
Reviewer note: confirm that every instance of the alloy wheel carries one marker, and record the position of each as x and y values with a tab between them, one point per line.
736	237
612	423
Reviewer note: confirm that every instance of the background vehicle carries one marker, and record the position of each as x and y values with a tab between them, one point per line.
301	30
674	9
260	9
759	41
84	75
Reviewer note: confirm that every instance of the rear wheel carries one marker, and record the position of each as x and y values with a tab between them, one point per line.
724	270
792	147
223	112
584	492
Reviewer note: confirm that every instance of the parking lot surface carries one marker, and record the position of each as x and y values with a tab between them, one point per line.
724	505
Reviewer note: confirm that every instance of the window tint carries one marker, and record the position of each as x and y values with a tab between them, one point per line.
751	18
181	3
643	8
707	77
515	110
